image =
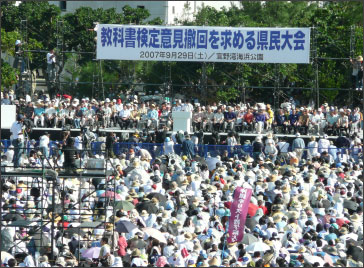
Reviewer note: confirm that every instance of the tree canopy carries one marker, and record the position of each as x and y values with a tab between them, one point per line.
333	32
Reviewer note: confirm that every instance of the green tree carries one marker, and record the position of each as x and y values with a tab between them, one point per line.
8	75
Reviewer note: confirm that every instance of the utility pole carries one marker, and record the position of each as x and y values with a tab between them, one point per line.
60	49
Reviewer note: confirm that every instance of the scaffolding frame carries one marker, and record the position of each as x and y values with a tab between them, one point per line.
50	190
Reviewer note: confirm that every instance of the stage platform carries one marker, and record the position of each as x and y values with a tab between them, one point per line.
130	131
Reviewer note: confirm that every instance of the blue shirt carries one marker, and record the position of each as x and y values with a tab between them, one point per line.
229	115
153	114
280	119
39	111
331	236
293	118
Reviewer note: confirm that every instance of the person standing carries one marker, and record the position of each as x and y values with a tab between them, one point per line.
110	141
19	57
51	65
105	253
44	144
70	155
357	73
188	147
298	145
17	139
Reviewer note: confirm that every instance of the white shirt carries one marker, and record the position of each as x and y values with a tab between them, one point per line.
78	143
138	262
323	145
44	141
312	147
51	111
49	59
168	147
17	131
124	113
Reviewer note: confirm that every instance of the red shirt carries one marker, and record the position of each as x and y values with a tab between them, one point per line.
248	118
341	222
265	210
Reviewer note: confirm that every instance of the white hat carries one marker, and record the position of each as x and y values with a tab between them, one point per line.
298	134
17	42
107	100
319	110
325	136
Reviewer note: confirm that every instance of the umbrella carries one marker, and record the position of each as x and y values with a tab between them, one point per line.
257	246
313	259
326	257
124	205
5	255
326	203
250	223
74	230
13	217
155	234
99	192
161	198
111	195
350	205
91	253
249	239
148	206
271	195
356	253
125	226
252	209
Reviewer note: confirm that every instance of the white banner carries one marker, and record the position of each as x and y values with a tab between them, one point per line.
203	44
8	116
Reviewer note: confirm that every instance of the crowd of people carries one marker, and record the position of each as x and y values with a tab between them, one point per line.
63	110
169	206
176	211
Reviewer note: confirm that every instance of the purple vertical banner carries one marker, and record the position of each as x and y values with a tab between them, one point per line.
238	210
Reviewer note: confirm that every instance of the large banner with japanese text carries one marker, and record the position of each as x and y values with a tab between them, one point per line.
203	44
238	213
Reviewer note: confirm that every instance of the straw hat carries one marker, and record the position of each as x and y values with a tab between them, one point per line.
343	231
135	184
129	198
355	218
109	226
359	58
174	185
302	198
268	242
293	214
144	213
188	236
211	189
302	249
133	193
214	262
277	218
155	200
136	253
285	189
43	258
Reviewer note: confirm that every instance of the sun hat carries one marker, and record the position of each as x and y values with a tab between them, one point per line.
188	236
136	253
144	213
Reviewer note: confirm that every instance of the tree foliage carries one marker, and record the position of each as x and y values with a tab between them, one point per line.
8	75
332	22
